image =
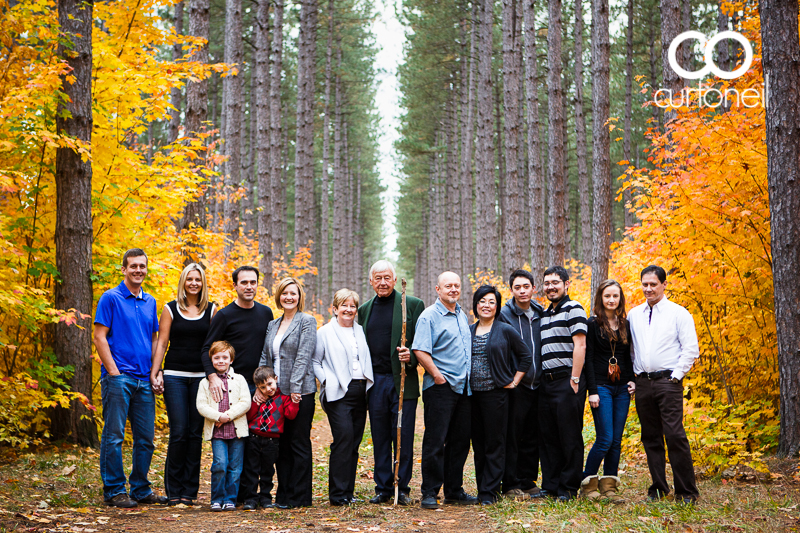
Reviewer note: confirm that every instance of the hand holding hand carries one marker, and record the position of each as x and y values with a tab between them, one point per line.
223	418
631	387
215	387
157	382
404	354
296	397
594	400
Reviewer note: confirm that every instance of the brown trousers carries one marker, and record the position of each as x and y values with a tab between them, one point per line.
659	404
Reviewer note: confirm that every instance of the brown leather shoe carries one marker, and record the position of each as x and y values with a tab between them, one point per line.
154	499
122	501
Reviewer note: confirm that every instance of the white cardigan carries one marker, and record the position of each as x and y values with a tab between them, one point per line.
238	398
332	359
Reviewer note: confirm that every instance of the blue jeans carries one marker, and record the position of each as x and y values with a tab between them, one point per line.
182	469
226	469
124	398
609	422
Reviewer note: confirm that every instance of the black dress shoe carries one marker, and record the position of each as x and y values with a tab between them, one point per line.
429	502
543	493
353	499
461	499
380	498
154	499
565	497
284	506
488	502
686	500
340	503
250	505
122	501
403	499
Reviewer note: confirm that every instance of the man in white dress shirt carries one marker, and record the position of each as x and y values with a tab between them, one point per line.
664	348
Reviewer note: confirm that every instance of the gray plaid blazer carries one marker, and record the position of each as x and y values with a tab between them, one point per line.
297	348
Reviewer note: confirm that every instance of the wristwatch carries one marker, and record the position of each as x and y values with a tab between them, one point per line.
575	379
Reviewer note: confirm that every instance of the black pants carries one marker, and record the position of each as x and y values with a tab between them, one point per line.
383	403
294	457
347	417
259	459
247	477
522	440
445	444
561	437
659	404
489	421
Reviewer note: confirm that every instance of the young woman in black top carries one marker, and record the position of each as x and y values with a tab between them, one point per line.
610	382
183	327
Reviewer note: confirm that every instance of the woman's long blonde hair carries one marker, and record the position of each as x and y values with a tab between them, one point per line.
182	299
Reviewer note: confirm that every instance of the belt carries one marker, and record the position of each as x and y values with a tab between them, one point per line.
558	373
655	375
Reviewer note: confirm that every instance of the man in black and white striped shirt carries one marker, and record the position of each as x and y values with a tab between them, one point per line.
563	389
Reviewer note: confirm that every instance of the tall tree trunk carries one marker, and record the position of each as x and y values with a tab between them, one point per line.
626	136
501	198
197	109
580	141
601	144
233	111
339	213
266	224
175	93
536	190
73	237
781	60
359	235
511	238
658	116
276	145
437	229
322	249
686	25
670	28
468	81
304	145
453	194
250	117
348	202
556	186
485	198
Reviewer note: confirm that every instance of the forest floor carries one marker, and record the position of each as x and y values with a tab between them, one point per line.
58	489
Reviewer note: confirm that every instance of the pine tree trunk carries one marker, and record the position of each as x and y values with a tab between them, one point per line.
626	136
338	189
276	144
556	186
468	81
601	144
233	112
453	194
781	60
511	237
580	141
536	190
73	235
486	228
322	249
250	117
658	116
197	109
670	28
304	223
359	236
175	93
686	25
501	198
266	224
437	229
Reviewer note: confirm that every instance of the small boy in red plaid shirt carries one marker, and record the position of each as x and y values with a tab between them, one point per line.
266	425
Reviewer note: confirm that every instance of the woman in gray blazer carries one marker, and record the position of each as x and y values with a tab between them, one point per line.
343	367
288	349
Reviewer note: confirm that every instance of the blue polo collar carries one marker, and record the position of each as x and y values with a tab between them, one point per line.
126	293
444	311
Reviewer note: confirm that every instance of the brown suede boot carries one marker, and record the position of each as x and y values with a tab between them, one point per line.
608	485
589	488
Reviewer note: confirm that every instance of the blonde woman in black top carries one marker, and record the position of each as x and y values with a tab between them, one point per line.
610	382
183	327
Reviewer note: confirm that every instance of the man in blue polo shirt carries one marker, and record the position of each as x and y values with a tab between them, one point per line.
125	329
443	346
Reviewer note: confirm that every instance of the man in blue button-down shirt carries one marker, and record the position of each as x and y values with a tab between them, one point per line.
443	346
125	333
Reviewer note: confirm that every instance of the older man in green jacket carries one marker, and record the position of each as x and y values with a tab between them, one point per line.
382	320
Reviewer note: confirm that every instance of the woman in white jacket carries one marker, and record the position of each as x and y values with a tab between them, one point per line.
344	369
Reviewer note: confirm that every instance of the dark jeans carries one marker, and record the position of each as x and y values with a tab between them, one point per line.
383	403
489	421
263	452
445	444
522	440
609	423
226	469
294	457
561	437
347	417
182	468
126	398
248	477
659	404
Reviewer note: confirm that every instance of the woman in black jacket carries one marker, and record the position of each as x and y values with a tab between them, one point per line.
500	359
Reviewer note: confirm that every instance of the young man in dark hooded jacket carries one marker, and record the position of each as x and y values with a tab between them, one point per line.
522	441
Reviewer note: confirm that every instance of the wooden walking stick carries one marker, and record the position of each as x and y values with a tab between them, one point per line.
400	400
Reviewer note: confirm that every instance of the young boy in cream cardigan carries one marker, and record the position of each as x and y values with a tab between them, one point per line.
225	426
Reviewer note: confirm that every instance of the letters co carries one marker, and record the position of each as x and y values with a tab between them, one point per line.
708	57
